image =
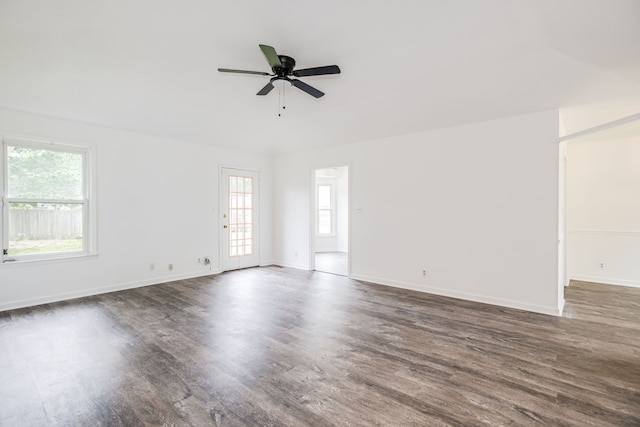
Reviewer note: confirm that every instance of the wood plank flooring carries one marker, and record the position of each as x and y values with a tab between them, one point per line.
332	262
275	346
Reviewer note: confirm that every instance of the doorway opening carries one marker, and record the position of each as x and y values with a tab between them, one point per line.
603	204
331	220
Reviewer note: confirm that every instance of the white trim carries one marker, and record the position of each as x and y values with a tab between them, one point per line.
549	310
45	144
268	263
561	307
500	302
48	201
349	216
257	214
89	203
607	232
292	265
32	259
312	224
91	194
4	205
606	280
101	290
602	127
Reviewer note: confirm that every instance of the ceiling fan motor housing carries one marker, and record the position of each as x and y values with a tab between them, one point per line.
288	64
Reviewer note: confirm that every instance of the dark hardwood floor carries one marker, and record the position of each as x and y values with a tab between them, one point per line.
274	346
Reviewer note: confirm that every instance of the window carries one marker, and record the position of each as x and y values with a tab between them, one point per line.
45	203
325	221
240	215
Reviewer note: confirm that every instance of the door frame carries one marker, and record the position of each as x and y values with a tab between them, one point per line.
256	218
312	215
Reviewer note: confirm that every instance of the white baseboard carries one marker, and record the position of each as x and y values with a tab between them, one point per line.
403	285
292	265
605	280
30	302
553	311
267	263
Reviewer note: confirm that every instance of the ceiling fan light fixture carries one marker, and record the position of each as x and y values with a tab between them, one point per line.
281	84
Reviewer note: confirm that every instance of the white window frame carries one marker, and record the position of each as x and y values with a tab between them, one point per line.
88	200
332	209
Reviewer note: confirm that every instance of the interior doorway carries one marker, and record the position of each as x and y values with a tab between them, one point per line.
331	220
602	202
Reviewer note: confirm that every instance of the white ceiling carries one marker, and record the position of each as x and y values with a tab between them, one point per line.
151	65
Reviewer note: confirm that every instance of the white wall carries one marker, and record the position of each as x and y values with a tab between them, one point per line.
157	201
604	211
475	205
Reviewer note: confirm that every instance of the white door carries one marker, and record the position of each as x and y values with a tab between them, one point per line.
240	218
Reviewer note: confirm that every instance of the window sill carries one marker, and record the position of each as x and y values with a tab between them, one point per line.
48	260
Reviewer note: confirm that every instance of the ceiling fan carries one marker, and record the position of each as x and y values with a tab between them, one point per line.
282	68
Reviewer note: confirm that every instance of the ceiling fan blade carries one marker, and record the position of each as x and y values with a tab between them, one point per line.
265	90
271	55
306	88
317	71
227	70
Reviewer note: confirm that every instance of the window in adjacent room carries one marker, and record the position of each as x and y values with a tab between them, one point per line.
45	212
325	210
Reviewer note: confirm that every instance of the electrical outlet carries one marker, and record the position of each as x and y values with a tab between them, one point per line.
602	265
170	267
199	260
152	266
424	273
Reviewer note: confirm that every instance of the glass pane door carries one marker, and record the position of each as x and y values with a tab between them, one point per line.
240	219
240	215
